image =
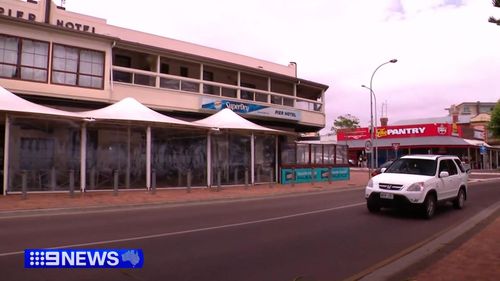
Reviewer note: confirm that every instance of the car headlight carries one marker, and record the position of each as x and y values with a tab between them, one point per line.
370	183
418	186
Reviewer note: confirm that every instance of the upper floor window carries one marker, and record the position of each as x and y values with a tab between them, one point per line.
23	59
78	67
466	110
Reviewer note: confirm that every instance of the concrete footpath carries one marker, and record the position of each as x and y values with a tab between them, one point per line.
473	255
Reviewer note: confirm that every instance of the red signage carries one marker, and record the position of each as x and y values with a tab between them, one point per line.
406	131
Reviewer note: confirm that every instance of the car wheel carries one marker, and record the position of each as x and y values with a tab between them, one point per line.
459	202
429	206
372	206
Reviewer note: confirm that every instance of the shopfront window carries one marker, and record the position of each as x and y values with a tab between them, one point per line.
303	154
177	154
116	155
265	158
44	155
231	159
23	59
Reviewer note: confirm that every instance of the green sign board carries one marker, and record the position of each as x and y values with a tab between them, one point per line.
304	175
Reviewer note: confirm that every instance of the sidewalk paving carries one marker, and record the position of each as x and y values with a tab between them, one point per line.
34	201
478	258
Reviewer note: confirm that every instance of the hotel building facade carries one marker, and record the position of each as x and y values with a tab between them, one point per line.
76	63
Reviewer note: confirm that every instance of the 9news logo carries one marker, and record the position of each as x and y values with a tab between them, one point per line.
83	258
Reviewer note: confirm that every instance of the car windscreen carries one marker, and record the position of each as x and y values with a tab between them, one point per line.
424	167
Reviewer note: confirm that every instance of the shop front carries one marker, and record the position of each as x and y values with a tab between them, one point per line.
392	142
313	161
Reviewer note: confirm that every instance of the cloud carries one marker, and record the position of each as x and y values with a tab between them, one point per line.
447	51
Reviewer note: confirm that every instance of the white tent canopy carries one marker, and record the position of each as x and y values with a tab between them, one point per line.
12	103
227	119
129	109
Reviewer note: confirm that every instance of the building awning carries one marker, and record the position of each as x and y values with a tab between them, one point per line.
420	141
129	109
10	102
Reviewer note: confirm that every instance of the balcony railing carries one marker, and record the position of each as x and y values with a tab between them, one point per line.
184	84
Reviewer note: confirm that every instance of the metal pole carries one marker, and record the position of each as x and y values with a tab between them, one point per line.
246	177
371	109
209	160
83	157
271	172
72	183
189	181
115	182
148	157
218	180
153	181
252	157
6	155
24	183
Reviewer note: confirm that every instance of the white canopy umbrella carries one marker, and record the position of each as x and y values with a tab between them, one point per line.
129	109
10	102
227	119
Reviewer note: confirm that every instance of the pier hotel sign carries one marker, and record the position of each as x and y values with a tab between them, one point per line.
22	10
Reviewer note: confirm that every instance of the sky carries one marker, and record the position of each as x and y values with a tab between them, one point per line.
447	51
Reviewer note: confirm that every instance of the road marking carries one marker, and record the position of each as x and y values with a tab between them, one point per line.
167	234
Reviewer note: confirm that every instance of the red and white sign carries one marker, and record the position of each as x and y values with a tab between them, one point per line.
395	145
407	131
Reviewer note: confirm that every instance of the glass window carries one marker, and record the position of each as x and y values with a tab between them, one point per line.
414	166
118	153
78	67
178	154
45	154
265	158
23	58
231	159
303	154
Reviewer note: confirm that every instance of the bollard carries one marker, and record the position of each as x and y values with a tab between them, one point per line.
189	181
24	183
330	175
235	176
246	178
53	178
179	178
72	183
293	177
115	182
92	178
153	181
258	175
271	176
313	174
218	180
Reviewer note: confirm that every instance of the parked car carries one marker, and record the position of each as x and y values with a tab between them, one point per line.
379	169
419	181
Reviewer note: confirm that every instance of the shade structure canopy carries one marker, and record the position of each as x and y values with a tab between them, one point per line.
10	102
227	119
129	109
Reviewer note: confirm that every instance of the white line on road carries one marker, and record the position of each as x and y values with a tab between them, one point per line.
166	234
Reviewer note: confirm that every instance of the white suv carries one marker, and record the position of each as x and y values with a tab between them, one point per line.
421	181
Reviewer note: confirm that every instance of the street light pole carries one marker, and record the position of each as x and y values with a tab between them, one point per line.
374	128
374	163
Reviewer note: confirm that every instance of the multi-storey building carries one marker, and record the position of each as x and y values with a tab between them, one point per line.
76	62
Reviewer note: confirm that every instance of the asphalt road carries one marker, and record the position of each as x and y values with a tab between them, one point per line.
320	236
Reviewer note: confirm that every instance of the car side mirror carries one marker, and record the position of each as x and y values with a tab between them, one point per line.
468	171
444	174
383	170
